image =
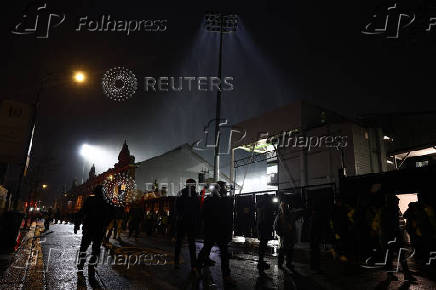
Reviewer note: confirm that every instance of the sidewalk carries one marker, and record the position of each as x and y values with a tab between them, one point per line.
26	268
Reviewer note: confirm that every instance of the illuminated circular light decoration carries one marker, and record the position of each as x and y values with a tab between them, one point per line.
117	190
119	84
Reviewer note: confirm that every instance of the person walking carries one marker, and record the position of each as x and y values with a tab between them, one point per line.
285	227
187	211
217	213
115	224
136	215
95	215
265	221
391	237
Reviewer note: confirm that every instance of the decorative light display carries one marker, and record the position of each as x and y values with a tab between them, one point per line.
119	84
117	190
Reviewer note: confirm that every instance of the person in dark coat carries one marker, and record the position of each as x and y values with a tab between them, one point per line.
392	238
115	224
48	218
95	216
217	213
285	227
187	211
265	221
136	215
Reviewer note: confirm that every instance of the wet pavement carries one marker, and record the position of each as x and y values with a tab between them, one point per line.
147	263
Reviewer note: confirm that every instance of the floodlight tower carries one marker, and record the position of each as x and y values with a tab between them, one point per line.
217	22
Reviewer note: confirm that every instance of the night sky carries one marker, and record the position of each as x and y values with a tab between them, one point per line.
311	50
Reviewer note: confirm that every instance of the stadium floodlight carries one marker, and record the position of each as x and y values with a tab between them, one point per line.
217	22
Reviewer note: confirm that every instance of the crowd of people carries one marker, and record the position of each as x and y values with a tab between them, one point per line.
364	230
370	230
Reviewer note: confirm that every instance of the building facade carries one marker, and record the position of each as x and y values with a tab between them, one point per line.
304	145
74	198
169	171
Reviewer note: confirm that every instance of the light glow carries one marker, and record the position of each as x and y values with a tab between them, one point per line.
79	77
101	157
405	199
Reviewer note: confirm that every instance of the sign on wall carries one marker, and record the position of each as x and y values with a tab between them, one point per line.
15	122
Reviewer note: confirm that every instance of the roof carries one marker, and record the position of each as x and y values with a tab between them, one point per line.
187	148
299	115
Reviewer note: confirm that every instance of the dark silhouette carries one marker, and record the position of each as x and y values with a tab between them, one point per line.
187	210
265	221
136	215
217	213
47	219
95	216
285	228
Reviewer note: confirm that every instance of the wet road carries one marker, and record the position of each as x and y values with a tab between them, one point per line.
59	247
149	266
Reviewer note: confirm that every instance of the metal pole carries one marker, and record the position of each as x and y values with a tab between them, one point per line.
232	165
29	141
216	168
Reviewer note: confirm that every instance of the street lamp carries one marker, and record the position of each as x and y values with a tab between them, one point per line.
79	77
44	186
217	22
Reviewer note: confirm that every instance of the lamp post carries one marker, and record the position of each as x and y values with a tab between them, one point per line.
79	77
217	22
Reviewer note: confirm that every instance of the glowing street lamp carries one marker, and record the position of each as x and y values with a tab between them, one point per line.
79	77
44	186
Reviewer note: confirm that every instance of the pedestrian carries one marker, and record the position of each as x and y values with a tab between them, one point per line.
95	216
47	219
149	224
115	224
392	237
217	214
285	227
57	216
135	217
265	222
343	228
187	211
317	229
